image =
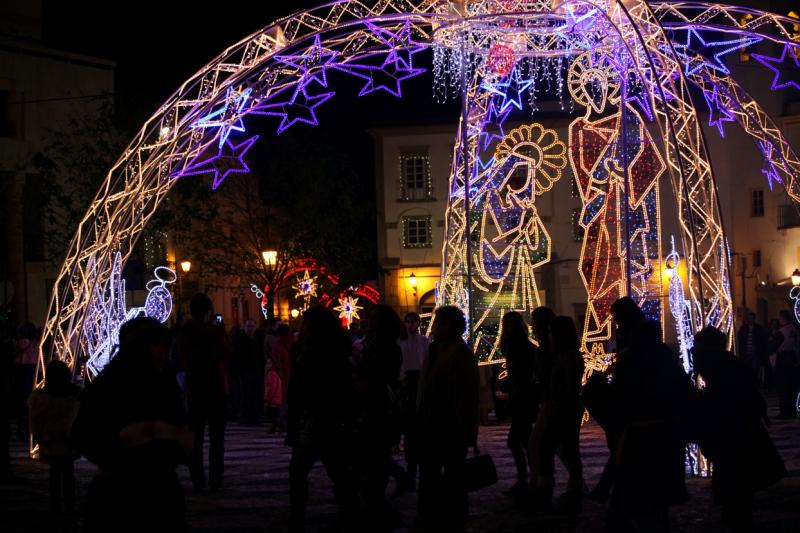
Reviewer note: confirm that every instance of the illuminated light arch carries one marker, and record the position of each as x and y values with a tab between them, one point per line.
282	71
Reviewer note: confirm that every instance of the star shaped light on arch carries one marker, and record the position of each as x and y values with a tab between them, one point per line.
228	118
697	44
786	67
313	63
228	159
301	107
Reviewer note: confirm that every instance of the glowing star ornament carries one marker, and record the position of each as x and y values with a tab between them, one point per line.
716	49
384	78
348	309
313	63
496	119
786	67
717	114
306	288
229	159
229	117
767	166
300	108
401	45
509	91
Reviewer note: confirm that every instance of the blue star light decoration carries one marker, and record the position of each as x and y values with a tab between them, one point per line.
301	107
229	117
313	63
510	92
496	118
717	114
714	50
223	161
786	67
397	66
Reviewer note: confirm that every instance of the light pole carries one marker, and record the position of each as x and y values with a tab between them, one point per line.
412	282
186	266
270	258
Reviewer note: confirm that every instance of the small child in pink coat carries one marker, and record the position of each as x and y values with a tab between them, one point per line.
273	393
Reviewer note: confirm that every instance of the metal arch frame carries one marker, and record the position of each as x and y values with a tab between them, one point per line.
145	172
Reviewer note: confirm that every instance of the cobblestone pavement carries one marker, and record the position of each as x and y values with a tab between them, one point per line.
255	495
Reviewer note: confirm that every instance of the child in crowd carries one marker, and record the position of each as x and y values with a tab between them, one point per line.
273	394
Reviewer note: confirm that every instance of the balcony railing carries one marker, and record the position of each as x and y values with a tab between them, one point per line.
788	217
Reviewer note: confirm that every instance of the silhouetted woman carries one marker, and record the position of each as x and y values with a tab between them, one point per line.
523	400
132	425
320	414
732	433
564	412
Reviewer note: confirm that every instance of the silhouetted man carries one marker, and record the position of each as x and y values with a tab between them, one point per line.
448	414
203	353
752	343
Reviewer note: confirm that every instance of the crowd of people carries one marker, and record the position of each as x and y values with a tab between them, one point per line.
352	399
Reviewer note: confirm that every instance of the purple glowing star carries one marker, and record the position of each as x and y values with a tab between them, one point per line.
300	108
717	49
313	63
510	91
228	118
227	160
386	77
401	45
787	67
768	167
493	117
717	114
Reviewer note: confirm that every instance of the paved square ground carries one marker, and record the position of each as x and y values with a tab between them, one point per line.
255	495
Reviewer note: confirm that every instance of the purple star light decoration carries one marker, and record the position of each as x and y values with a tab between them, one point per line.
313	63
786	67
716	49
717	114
496	118
228	159
401	45
768	167
300	108
386	77
228	118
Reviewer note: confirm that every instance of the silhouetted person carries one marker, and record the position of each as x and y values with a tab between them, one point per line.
376	378
523	400
752	344
281	357
448	412
732	433
24	373
249	355
203	352
52	412
7	400
541	317
563	414
132	425
597	398
785	367
321	407
654	402
414	347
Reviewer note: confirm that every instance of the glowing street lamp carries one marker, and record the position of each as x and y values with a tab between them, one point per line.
295	313
796	277
186	266
270	257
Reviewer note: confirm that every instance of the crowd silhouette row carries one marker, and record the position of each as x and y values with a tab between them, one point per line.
352	399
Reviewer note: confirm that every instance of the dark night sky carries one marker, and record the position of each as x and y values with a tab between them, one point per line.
158	45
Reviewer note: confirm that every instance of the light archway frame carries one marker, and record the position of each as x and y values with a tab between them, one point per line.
287	61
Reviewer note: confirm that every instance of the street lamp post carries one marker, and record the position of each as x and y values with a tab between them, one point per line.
186	266
270	258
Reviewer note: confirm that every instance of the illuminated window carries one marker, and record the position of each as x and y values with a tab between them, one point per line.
415	177
417	232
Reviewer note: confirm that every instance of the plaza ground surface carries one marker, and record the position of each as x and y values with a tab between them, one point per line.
255	494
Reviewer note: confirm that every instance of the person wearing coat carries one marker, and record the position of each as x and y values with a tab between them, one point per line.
732	434
449	416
